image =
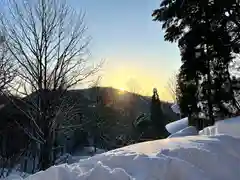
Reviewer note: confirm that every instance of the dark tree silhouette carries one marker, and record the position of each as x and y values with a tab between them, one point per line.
206	35
157	116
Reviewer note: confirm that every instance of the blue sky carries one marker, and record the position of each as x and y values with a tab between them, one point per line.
132	45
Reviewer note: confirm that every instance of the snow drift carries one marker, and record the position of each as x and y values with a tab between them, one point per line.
188	131
211	155
229	127
79	154
176	126
182	158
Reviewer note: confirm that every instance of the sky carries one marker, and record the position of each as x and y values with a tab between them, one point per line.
132	45
135	55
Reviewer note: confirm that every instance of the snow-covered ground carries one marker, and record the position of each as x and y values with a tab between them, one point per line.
214	154
183	158
80	154
14	175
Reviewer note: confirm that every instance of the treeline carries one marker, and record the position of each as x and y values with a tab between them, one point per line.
207	34
94	122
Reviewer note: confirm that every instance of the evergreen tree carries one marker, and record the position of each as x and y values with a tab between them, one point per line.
156	110
157	116
206	38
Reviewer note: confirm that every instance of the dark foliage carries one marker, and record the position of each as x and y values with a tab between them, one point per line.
104	123
206	32
157	116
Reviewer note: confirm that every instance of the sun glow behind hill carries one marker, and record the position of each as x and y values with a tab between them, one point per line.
136	81
122	90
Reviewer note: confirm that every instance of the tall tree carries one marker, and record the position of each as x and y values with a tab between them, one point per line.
7	66
206	41
157	116
7	75
47	39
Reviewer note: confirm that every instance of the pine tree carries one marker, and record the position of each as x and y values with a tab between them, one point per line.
156	110
157	116
206	36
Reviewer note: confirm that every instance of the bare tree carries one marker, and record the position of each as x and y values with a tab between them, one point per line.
7	71
172	87
47	40
7	75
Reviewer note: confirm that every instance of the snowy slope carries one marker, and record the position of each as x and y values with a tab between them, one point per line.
183	158
209	155
79	154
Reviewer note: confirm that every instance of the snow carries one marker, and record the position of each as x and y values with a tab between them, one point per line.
183	158
229	127
185	155
14	175
68	158
209	131
175	108
176	126
84	153
188	131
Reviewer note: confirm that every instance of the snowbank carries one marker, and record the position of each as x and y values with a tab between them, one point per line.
176	126
229	127
214	155
80	154
209	131
188	131
14	175
182	158
69	159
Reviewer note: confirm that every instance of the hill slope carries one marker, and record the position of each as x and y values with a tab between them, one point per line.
114	116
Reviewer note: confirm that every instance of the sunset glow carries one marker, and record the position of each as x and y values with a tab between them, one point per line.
136	57
136	80
121	89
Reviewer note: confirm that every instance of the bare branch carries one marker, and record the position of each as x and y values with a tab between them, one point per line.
47	39
172	87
